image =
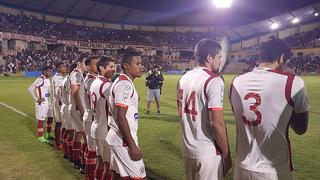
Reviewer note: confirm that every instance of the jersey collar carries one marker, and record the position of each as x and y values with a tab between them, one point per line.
122	74
102	78
263	68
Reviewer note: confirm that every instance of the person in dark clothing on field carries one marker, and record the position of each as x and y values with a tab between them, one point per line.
154	82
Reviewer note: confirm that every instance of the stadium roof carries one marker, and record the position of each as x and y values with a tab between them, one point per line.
244	19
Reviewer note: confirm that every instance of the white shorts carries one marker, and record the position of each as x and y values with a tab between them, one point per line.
240	173
65	115
122	163
103	150
76	119
87	122
154	93
57	113
43	111
203	169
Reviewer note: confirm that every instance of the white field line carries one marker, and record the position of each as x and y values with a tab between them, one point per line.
16	110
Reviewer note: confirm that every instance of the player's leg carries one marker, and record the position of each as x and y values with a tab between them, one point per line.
100	165
91	158
84	147
41	111
157	97
58	126
126	167
106	157
77	124
210	168
190	167
48	134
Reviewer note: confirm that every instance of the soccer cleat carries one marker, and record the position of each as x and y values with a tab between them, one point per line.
49	136
77	164
42	140
147	112
82	169
158	111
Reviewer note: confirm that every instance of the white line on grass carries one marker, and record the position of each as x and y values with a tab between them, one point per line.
16	110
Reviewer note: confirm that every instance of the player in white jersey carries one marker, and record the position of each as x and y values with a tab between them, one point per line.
76	108
100	90
43	106
122	136
65	115
57	102
90	62
266	102
205	146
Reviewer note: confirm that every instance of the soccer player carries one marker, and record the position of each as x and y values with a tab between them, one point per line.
76	108
43	106
90	147
122	136
205	147
65	115
100	91
266	102
57	102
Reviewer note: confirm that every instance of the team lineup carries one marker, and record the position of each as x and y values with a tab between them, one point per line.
96	119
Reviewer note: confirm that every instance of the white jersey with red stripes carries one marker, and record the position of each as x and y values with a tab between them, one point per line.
123	94
199	91
87	84
76	78
57	85
65	90
43	86
263	101
100	91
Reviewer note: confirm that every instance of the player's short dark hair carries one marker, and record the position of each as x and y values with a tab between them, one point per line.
71	67
104	61
81	57
45	68
272	50
88	59
128	55
206	47
59	64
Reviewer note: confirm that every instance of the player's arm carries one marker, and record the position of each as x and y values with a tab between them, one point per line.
134	150
215	92
300	115
31	90
75	89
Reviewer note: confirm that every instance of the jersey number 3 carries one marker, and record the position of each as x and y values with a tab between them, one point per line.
191	101
253	108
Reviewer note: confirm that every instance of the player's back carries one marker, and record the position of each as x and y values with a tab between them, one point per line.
197	141
100	90
65	90
57	83
87	84
43	88
76	78
263	102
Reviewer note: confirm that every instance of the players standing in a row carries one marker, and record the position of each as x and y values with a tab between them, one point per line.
43	106
57	80
205	147
100	91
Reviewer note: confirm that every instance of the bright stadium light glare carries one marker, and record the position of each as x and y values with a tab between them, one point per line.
316	14
274	26
222	3
295	20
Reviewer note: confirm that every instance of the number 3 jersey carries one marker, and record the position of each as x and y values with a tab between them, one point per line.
199	92
263	101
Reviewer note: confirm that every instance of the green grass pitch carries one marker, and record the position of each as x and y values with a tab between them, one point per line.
22	157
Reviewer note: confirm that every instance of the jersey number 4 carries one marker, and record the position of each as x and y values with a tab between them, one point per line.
253	108
191	101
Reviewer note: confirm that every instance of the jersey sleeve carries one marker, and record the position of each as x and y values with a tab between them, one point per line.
300	97
215	92
106	89
76	78
38	82
123	93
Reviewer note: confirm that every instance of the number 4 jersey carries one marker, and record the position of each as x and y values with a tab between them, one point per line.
199	92
263	101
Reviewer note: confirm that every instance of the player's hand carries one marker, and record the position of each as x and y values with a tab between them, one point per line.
135	153
227	164
40	100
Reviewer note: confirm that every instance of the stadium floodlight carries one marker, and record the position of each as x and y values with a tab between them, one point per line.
316	14
295	20
274	26
222	3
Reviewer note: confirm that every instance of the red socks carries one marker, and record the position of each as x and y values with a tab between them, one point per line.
40	128
90	166
57	133
83	153
49	124
76	150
